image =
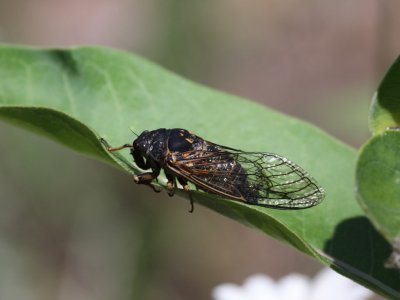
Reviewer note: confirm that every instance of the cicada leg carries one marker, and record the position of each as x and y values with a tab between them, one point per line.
147	178
186	187
171	184
111	149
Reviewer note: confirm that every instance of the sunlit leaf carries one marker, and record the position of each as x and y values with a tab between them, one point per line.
385	109
95	92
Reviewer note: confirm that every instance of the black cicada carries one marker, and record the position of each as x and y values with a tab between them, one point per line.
263	179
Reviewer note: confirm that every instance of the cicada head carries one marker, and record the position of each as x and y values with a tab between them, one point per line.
152	144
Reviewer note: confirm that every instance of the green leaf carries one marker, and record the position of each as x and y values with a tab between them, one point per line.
95	92
378	182
385	109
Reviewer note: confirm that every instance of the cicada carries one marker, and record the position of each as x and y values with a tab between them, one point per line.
258	178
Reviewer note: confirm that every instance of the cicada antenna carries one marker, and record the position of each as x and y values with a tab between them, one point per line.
133	132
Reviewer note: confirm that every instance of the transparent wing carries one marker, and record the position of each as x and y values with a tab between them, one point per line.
263	179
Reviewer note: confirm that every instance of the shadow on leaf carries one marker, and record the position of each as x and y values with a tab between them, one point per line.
348	252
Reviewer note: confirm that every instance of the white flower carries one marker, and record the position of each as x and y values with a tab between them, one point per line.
327	285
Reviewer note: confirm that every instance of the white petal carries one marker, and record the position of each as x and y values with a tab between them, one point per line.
294	287
329	285
359	292
261	287
228	291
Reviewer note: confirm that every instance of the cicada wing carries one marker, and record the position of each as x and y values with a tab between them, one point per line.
263	179
280	182
222	178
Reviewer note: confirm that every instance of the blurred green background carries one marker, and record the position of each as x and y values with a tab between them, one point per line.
72	228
